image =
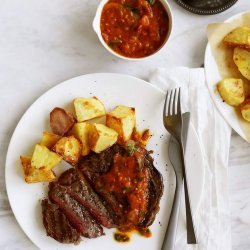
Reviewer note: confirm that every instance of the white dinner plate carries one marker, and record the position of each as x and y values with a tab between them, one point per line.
112	89
212	78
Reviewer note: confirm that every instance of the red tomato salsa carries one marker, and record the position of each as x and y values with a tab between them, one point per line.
134	28
128	179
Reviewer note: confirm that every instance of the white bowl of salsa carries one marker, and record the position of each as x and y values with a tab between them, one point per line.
133	29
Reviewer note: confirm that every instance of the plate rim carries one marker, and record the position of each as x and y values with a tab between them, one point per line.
64	83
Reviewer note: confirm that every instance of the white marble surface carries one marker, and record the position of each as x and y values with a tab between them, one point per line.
45	42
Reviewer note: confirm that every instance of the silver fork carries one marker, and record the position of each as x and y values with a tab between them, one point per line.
172	119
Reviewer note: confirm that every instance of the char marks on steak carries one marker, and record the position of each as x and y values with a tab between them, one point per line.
57	224
76	213
79	188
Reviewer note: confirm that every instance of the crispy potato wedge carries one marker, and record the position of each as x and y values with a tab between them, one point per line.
44	158
88	108
241	58
69	148
245	109
122	120
81	131
49	139
101	137
32	175
231	91
239	37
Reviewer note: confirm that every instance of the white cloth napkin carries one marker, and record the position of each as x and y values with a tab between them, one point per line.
212	219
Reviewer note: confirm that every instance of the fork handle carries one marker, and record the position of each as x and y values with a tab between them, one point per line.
169	239
191	237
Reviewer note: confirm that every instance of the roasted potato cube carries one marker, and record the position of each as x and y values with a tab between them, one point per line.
44	158
61	121
69	148
122	120
241	58
49	139
88	108
101	137
32	174
245	109
239	37
81	132
231	91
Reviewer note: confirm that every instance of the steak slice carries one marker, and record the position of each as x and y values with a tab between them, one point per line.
77	215
79	188
57	225
95	165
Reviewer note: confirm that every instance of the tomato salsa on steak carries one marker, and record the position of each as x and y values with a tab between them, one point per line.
134	28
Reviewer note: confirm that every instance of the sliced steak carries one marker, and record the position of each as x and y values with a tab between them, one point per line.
95	165
77	215
57	225
79	188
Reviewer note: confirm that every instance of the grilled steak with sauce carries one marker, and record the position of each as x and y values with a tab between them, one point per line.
95	165
88	196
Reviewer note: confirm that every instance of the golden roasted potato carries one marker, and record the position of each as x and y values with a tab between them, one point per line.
49	139
88	108
32	174
231	91
69	148
245	109
44	158
241	58
101	137
122	120
81	131
239	37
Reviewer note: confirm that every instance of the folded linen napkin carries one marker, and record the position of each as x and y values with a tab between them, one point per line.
212	219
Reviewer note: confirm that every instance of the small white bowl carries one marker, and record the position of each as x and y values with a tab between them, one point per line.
97	29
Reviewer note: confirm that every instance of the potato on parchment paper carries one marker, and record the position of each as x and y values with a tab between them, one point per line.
241	58
231	91
122	120
245	109
32	175
239	37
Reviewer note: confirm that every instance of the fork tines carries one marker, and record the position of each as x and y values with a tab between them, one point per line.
172	104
